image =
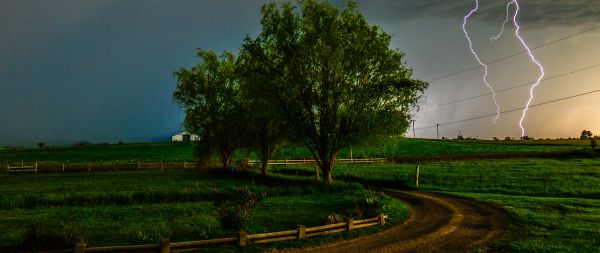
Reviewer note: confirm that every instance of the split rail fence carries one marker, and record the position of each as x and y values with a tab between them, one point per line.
242	239
47	166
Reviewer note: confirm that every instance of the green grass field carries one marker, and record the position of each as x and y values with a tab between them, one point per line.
532	177
556	203
381	147
121	208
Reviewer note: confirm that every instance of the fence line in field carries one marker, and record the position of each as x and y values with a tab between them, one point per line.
43	166
242	239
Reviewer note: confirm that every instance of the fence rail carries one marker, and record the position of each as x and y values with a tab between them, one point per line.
49	166
242	239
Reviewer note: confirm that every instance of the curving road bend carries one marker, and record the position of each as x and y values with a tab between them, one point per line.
437	223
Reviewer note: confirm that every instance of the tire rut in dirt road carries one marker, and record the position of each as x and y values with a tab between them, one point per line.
437	223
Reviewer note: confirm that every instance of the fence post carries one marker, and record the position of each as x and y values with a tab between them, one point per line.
317	172
89	167
382	219
544	178
79	247
242	238
480	179
63	168
285	161
301	232
165	245
417	174
36	167
138	164
350	225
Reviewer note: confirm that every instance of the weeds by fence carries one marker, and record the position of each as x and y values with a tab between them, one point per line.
242	239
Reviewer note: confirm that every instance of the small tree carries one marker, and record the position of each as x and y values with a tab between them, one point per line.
209	95
585	134
593	144
41	145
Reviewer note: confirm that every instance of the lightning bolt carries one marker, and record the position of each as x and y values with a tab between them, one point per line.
533	59
503	23
525	46
485	67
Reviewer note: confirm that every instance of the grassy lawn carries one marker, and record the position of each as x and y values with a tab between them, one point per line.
104	152
120	208
548	224
563	216
388	147
534	177
556	202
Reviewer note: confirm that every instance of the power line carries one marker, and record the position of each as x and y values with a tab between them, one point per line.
508	111
510	88
515	54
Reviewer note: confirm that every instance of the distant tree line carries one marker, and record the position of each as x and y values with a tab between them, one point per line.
316	75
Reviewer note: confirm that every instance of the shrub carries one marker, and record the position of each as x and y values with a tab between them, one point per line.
234	216
369	206
235	207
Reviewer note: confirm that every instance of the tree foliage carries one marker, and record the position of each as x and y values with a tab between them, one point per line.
264	127
586	134
331	74
209	95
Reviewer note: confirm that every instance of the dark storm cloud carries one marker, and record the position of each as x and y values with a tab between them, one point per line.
533	12
101	70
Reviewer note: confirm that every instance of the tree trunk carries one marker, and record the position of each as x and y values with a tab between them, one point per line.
265	155
226	157
226	161
203	155
327	168
265	167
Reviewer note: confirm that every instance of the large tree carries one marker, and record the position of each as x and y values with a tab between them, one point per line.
264	128
333	76
209	94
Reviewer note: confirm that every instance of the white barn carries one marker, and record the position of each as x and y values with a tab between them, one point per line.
184	136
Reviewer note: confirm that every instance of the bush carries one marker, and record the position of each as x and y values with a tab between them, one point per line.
234	216
370	206
235	207
48	236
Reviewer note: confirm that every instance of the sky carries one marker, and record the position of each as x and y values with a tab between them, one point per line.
102	70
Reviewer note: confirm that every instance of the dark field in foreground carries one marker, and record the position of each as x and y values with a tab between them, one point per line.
121	208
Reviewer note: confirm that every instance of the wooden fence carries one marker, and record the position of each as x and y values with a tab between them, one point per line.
48	166
242	239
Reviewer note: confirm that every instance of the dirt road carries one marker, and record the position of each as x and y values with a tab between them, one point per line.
437	223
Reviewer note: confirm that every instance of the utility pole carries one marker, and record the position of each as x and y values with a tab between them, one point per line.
438	130
413	124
